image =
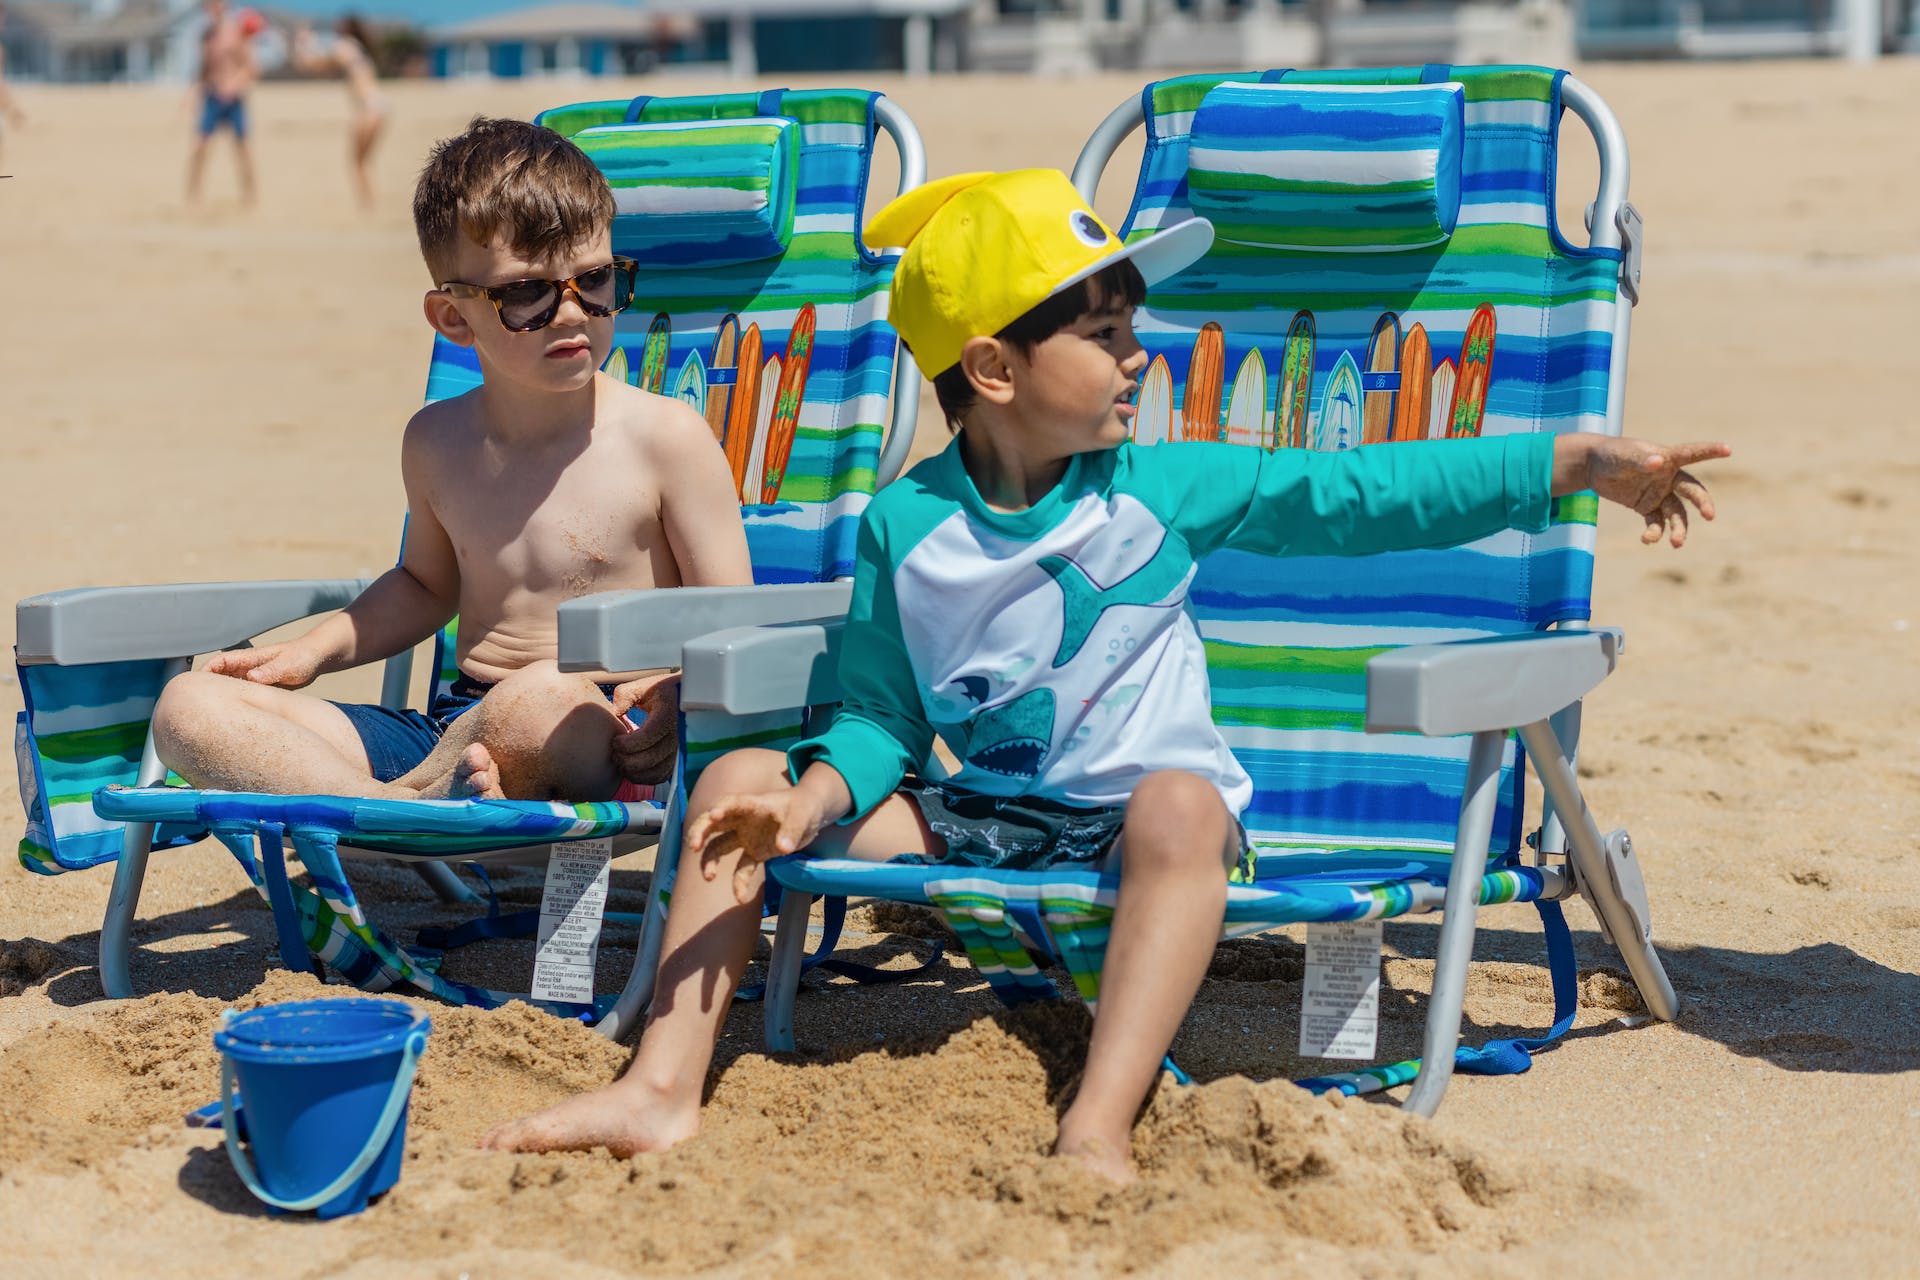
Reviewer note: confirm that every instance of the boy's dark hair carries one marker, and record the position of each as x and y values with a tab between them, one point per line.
1111	287
511	177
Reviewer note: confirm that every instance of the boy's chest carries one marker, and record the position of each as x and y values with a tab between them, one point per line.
549	526
989	619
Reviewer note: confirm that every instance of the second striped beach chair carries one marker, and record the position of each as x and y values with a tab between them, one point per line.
1388	266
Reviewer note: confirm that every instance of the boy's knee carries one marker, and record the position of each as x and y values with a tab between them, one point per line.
190	702
1175	817
742	772
543	687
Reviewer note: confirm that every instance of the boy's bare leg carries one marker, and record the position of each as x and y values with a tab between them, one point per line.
540	734
243	157
710	937
230	735
196	165
1175	845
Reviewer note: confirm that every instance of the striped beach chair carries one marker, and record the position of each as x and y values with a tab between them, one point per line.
757	302
1387	268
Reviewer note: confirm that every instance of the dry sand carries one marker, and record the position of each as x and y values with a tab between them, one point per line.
218	395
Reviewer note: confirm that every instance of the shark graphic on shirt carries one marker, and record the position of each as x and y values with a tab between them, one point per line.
1084	600
1013	738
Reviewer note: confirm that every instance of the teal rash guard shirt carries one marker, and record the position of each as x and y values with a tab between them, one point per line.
1051	648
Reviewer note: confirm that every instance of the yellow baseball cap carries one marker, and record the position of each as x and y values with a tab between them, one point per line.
983	249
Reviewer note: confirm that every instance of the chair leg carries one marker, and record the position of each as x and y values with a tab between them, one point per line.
116	929
1587	850
783	970
1477	805
445	882
638	993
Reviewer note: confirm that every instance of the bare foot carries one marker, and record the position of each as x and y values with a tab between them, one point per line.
624	1119
473	777
1098	1157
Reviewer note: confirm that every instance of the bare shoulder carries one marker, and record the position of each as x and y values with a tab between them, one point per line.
669	433
434	431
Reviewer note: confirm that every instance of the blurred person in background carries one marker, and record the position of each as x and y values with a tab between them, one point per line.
11	116
349	55
227	71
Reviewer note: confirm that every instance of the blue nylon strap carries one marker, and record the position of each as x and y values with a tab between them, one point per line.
1436	73
637	106
286	916
1497	1057
1510	1057
769	104
1034	926
1274	76
486	882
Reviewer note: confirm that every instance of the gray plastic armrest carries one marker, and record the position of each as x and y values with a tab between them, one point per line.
179	620
1502	682
749	670
639	630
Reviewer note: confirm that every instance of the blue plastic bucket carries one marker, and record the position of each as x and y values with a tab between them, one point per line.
325	1085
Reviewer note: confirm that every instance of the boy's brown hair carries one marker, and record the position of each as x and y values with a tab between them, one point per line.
513	178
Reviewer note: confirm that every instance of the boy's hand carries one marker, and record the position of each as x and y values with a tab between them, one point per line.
1651	478
285	666
757	827
644	754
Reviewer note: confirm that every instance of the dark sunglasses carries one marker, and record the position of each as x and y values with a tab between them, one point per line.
527	305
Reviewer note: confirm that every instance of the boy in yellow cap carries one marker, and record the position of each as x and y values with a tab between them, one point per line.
1022	596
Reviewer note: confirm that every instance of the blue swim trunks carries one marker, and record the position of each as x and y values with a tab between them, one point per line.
397	741
216	111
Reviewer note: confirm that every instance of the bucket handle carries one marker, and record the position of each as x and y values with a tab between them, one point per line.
376	1143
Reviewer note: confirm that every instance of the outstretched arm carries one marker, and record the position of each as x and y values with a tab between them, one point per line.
305	55
1651	478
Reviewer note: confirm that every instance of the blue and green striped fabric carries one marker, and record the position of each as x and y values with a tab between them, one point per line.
1504	328
83	728
1345	168
1288	638
699	193
333	927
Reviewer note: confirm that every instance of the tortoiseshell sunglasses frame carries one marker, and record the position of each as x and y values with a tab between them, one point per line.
561	288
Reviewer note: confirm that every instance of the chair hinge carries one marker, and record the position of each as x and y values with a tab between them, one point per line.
1633	231
1627	884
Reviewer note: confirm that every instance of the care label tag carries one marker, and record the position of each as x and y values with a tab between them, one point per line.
571	907
1340	1000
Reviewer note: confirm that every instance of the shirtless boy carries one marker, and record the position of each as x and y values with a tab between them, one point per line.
227	71
548	481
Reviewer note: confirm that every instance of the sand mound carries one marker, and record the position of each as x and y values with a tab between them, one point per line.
935	1147
83	1089
29	961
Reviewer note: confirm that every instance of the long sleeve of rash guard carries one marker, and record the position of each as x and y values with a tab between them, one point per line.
878	732
1384	497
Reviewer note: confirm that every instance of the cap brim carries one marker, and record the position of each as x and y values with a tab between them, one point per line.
1165	253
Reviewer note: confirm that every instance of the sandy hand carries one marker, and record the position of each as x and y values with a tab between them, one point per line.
757	827
645	754
285	666
1653	479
